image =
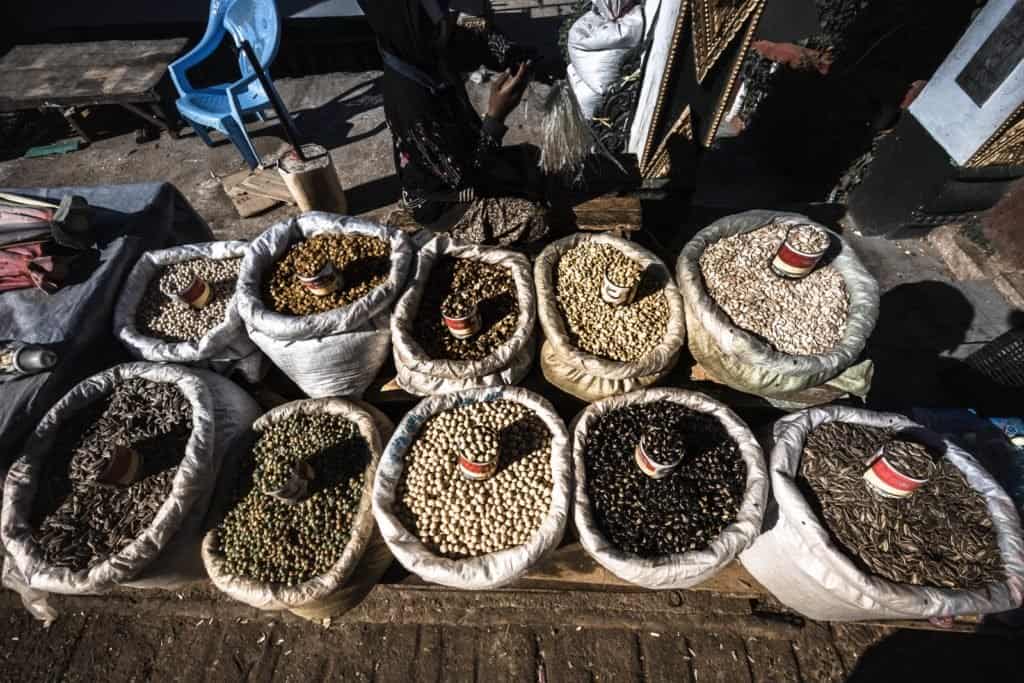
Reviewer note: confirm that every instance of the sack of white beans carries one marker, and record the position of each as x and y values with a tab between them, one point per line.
444	523
155	324
499	353
595	349
735	356
329	351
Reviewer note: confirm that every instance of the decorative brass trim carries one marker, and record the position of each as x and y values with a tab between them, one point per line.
1005	147
669	63
658	166
726	100
715	24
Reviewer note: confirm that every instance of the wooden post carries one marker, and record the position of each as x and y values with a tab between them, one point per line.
314	183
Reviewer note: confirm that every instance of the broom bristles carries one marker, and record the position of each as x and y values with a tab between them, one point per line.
566	138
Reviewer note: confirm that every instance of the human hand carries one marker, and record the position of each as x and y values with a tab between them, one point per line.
507	91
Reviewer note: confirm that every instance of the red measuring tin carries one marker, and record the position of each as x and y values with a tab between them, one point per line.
795	261
462	318
326	281
887	479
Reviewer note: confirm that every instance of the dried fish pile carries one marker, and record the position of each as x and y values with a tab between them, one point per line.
161	316
941	536
622	333
799	317
78	522
490	287
684	511
363	262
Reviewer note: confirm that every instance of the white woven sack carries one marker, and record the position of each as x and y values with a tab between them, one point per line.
492	570
741	360
508	364
585	375
337	352
795	558
680	570
598	43
224	349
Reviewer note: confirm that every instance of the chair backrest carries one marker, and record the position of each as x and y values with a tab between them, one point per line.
255	21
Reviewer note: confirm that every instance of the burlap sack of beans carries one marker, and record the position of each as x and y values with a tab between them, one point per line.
167	554
741	360
508	364
491	570
585	375
225	349
795	558
680	570
365	557
337	352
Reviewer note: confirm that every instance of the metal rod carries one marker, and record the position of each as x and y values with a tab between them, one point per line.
290	131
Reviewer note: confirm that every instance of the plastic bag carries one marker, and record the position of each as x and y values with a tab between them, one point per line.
508	364
598	44
797	561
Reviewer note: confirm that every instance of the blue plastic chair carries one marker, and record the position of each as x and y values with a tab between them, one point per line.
227	106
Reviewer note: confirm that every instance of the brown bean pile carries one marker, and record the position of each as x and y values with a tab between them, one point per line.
807	239
161	316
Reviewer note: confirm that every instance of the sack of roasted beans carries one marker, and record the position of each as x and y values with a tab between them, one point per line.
467	319
670	486
769	327
113	485
611	314
296	532
875	517
178	306
474	487
316	294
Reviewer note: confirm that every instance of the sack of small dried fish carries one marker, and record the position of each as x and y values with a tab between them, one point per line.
156	323
432	359
297	530
316	293
113	486
767	335
450	518
666	529
833	549
595	348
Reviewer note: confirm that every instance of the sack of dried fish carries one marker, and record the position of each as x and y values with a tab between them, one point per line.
680	529
329	337
113	486
475	532
593	348
156	323
770	336
431	359
838	551
297	532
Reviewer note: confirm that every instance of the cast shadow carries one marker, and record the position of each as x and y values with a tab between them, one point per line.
330	123
933	656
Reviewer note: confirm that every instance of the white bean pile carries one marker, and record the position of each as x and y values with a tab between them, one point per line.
800	317
459	518
161	316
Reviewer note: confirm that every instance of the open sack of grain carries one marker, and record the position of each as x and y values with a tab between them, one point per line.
316	294
595	349
670	486
496	287
113	486
155	322
768	335
297	532
474	487
835	549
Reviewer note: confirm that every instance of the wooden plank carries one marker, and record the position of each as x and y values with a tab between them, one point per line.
609	213
458	654
718	658
818	659
506	655
665	657
267	182
772	661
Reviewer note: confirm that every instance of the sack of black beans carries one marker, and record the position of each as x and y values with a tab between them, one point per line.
113	486
432	358
316	294
670	486
474	487
155	321
297	530
598	345
835	549
765	334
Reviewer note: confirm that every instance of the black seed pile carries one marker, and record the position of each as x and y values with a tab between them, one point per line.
685	510
910	458
78	522
662	444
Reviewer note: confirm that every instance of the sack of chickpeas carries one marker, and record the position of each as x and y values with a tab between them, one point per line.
474	487
670	486
766	317
316	294
114	484
467	320
611	314
178	306
875	517
296	532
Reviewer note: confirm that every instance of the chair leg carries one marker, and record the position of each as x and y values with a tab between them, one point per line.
201	133
240	137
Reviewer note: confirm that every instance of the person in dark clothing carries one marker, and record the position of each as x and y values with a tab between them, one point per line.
455	174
